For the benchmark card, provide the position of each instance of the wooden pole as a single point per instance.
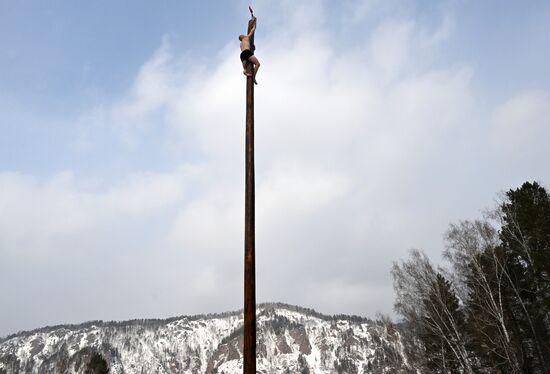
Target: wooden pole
(249, 346)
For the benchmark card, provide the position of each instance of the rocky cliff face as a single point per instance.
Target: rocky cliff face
(290, 340)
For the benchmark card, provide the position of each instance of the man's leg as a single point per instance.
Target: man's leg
(244, 68)
(254, 60)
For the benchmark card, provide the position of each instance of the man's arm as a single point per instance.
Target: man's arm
(251, 31)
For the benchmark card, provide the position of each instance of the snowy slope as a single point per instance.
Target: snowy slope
(290, 340)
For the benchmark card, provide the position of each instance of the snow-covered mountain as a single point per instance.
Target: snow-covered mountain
(290, 340)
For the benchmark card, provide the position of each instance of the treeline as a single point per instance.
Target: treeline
(156, 322)
(313, 313)
(139, 322)
(489, 311)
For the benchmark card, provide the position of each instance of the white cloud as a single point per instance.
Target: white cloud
(521, 126)
(152, 87)
(444, 30)
(389, 48)
(36, 213)
(333, 295)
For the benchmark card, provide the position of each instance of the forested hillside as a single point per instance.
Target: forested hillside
(290, 340)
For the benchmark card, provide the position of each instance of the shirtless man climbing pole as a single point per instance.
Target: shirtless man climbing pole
(247, 54)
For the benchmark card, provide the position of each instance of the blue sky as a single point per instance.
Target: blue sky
(59, 59)
(378, 124)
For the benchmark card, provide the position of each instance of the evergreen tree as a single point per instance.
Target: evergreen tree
(97, 365)
(525, 237)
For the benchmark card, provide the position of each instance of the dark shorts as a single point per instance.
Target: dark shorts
(246, 54)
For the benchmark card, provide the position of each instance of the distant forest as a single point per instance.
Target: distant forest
(489, 310)
(263, 308)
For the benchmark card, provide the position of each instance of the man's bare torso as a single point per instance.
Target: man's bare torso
(245, 43)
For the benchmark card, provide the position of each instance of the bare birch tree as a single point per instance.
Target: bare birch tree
(424, 304)
(482, 278)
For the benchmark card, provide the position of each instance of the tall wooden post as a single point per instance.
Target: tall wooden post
(249, 350)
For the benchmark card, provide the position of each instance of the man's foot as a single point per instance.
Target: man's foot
(255, 81)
